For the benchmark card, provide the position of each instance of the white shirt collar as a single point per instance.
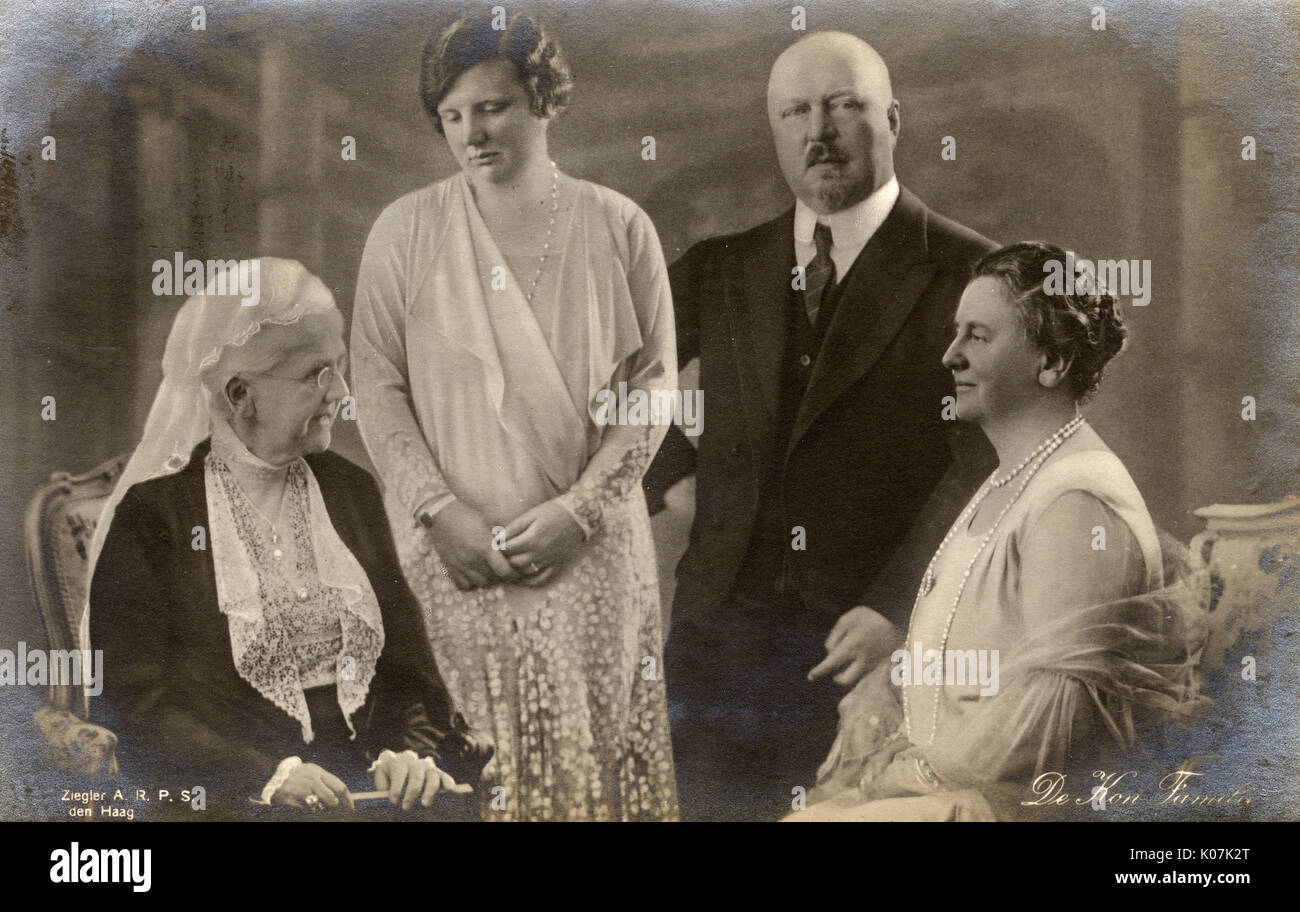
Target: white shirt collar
(851, 228)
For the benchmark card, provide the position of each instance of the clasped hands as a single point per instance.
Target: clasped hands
(537, 544)
(406, 777)
(540, 541)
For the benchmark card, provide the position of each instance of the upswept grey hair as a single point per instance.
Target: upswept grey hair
(1082, 326)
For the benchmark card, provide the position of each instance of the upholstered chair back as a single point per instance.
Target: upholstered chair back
(60, 522)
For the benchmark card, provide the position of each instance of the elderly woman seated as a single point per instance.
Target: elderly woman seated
(258, 637)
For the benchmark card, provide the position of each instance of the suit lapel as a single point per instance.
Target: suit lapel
(881, 290)
(757, 289)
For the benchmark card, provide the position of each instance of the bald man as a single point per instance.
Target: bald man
(826, 474)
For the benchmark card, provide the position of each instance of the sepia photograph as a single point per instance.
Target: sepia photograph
(651, 410)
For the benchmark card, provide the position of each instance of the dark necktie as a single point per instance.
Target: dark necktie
(820, 274)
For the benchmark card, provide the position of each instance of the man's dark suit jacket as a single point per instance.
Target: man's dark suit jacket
(171, 692)
(870, 456)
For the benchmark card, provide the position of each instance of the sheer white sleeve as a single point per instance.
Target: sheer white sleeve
(406, 463)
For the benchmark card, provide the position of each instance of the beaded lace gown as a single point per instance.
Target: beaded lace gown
(468, 388)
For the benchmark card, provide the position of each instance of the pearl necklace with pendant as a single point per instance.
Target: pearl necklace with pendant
(1039, 456)
(927, 581)
(550, 229)
(276, 551)
(239, 459)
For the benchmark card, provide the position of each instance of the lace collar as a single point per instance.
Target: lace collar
(245, 464)
(254, 593)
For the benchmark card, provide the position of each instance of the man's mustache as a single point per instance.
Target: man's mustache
(821, 154)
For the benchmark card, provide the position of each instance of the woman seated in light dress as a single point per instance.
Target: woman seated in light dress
(1053, 571)
(507, 318)
(258, 637)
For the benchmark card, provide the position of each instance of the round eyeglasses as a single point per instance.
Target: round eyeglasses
(324, 378)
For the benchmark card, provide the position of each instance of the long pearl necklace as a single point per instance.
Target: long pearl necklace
(1033, 462)
(550, 229)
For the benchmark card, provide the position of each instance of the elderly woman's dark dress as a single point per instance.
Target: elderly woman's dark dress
(184, 716)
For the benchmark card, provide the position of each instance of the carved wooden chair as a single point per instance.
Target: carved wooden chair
(60, 522)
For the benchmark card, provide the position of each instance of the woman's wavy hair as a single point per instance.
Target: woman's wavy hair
(468, 39)
(1081, 325)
